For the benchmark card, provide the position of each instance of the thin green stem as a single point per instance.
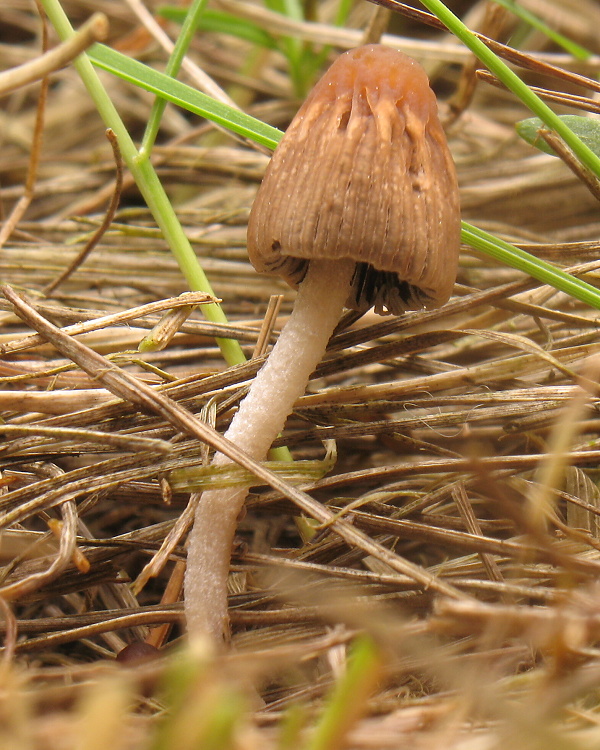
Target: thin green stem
(188, 29)
(148, 184)
(532, 20)
(348, 698)
(539, 269)
(512, 81)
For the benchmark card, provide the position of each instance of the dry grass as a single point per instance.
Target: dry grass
(467, 438)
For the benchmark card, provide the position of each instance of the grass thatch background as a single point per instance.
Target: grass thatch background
(451, 428)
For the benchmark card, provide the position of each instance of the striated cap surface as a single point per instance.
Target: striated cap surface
(364, 172)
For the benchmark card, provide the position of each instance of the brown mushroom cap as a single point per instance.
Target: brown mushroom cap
(364, 172)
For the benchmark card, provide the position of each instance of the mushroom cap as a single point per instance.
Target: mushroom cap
(364, 172)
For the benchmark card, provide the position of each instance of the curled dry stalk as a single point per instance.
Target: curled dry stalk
(106, 221)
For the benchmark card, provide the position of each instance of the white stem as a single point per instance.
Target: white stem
(260, 418)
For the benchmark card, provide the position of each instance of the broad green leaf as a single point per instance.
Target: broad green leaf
(585, 128)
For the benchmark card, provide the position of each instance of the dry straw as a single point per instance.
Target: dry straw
(442, 420)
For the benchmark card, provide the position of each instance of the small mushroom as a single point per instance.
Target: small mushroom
(358, 207)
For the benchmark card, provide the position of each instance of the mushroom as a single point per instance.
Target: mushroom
(358, 207)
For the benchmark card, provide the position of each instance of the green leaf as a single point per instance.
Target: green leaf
(348, 699)
(289, 8)
(585, 128)
(512, 81)
(562, 41)
(536, 267)
(225, 23)
(184, 96)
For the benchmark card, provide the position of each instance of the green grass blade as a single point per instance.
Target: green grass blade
(148, 183)
(184, 96)
(343, 12)
(539, 269)
(292, 47)
(188, 29)
(341, 16)
(348, 699)
(512, 81)
(288, 8)
(562, 41)
(223, 23)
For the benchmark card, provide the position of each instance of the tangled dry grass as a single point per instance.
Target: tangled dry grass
(466, 439)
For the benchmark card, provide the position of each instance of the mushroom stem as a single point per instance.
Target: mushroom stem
(260, 418)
